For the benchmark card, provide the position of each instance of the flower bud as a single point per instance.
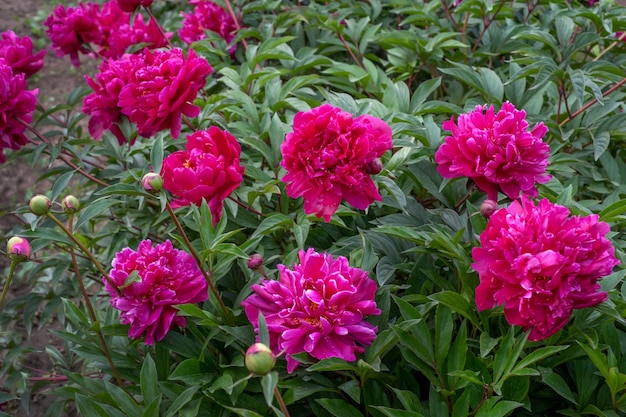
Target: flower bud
(255, 261)
(70, 204)
(152, 182)
(488, 207)
(259, 359)
(40, 205)
(374, 167)
(18, 249)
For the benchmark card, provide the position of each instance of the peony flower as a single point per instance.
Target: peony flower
(319, 307)
(496, 150)
(207, 169)
(17, 105)
(102, 104)
(69, 29)
(130, 5)
(118, 34)
(18, 249)
(207, 15)
(166, 277)
(162, 88)
(540, 263)
(327, 157)
(17, 52)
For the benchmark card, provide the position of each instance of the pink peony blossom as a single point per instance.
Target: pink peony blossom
(207, 15)
(496, 151)
(17, 52)
(162, 88)
(130, 5)
(167, 277)
(319, 307)
(70, 29)
(118, 34)
(17, 105)
(327, 158)
(541, 263)
(102, 104)
(207, 169)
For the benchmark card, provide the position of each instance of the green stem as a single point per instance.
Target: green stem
(227, 314)
(94, 318)
(86, 251)
(7, 284)
(281, 402)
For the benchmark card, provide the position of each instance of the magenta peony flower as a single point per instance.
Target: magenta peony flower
(207, 169)
(69, 29)
(327, 157)
(102, 104)
(207, 15)
(130, 5)
(17, 105)
(167, 277)
(318, 307)
(162, 88)
(118, 35)
(17, 52)
(540, 263)
(496, 151)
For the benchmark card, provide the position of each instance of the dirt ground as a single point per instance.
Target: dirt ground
(57, 79)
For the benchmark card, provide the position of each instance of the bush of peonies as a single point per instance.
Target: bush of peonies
(332, 208)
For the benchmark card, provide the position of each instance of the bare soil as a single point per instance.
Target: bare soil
(18, 179)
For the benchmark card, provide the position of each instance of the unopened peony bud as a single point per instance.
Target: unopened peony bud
(488, 207)
(255, 261)
(40, 205)
(152, 182)
(374, 167)
(259, 359)
(70, 204)
(18, 249)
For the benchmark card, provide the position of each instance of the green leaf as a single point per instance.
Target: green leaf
(392, 412)
(94, 209)
(60, 184)
(181, 401)
(272, 223)
(192, 371)
(457, 303)
(331, 364)
(156, 154)
(600, 144)
(339, 408)
(152, 409)
(494, 407)
(558, 384)
(149, 382)
(88, 407)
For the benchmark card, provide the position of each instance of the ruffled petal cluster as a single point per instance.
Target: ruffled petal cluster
(496, 150)
(207, 169)
(540, 263)
(167, 277)
(162, 88)
(102, 104)
(153, 89)
(327, 157)
(207, 15)
(17, 52)
(319, 307)
(71, 28)
(118, 34)
(17, 105)
(106, 29)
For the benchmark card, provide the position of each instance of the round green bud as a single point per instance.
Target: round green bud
(152, 182)
(40, 205)
(259, 359)
(70, 204)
